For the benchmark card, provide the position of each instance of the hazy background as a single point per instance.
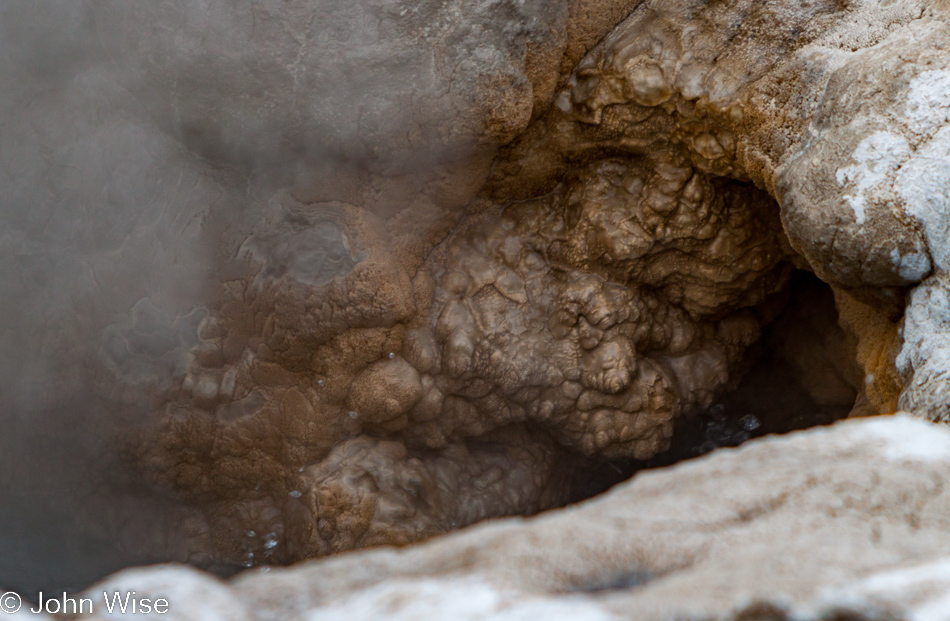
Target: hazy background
(140, 141)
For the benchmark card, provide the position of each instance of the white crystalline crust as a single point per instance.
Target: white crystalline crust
(920, 591)
(878, 156)
(462, 600)
(900, 439)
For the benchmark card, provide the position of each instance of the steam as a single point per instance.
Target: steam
(139, 143)
(143, 147)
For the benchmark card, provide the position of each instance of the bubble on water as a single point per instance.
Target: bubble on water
(251, 533)
(295, 494)
(750, 422)
(270, 542)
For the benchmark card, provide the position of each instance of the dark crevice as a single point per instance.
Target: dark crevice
(800, 374)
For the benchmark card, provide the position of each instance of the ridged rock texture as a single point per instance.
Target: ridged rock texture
(338, 275)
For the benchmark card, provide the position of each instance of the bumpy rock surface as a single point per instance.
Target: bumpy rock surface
(619, 292)
(363, 273)
(180, 273)
(847, 522)
(834, 108)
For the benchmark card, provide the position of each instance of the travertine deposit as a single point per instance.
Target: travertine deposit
(409, 266)
(629, 249)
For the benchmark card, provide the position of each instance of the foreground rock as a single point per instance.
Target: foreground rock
(848, 520)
